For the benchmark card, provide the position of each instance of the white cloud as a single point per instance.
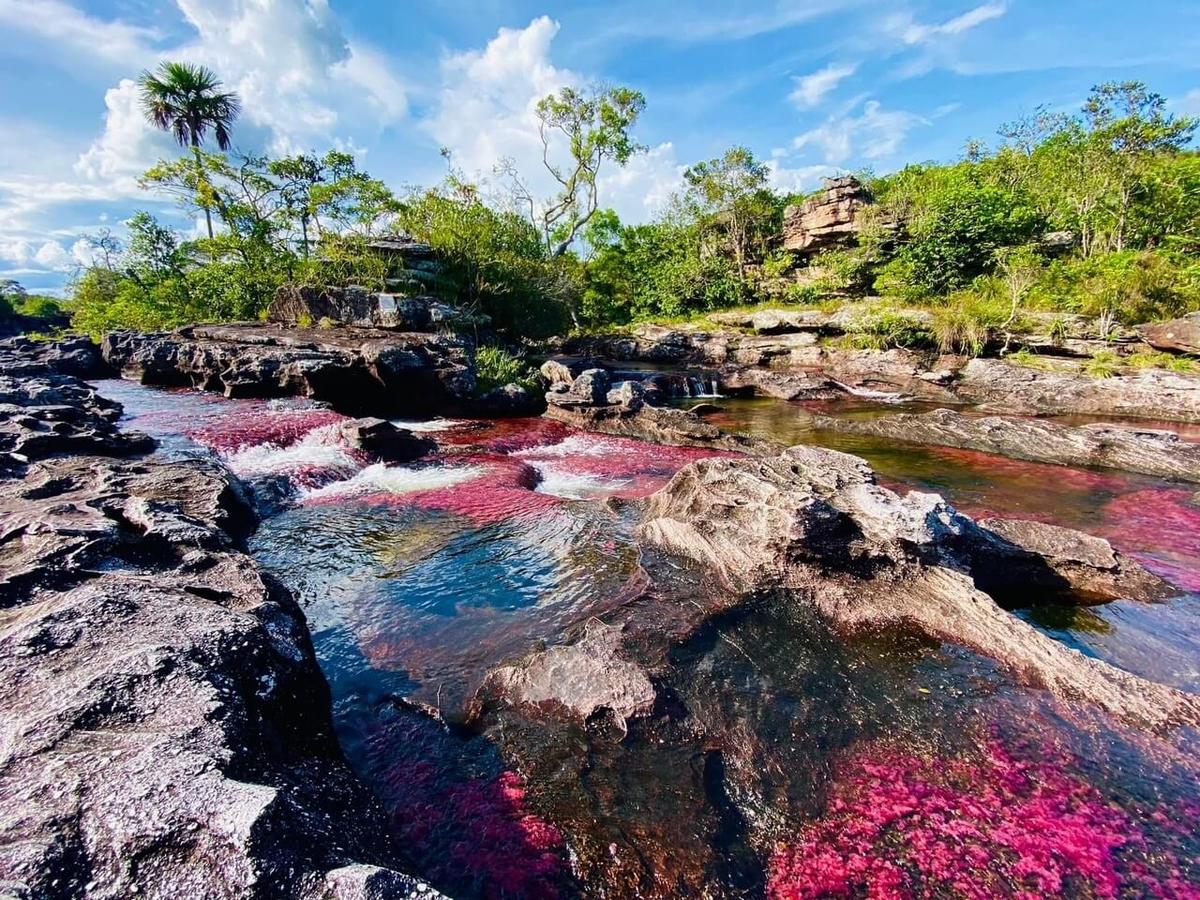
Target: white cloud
(913, 32)
(303, 85)
(875, 134)
(1188, 104)
(76, 34)
(127, 146)
(486, 112)
(812, 89)
(695, 26)
(798, 180)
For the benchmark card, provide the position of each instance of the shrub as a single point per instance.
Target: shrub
(968, 321)
(1104, 364)
(806, 294)
(1133, 286)
(884, 328)
(496, 367)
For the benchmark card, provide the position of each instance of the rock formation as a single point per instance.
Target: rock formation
(827, 219)
(814, 524)
(165, 730)
(1177, 335)
(1146, 451)
(358, 370)
(358, 307)
(1151, 394)
(590, 404)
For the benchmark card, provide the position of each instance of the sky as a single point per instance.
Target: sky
(813, 87)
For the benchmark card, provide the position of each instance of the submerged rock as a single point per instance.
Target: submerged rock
(355, 369)
(1146, 451)
(582, 678)
(815, 523)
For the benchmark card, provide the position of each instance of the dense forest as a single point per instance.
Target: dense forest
(1095, 213)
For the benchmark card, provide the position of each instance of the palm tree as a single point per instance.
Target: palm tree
(186, 100)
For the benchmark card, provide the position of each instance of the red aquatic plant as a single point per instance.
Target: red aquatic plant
(1001, 823)
(252, 424)
(463, 816)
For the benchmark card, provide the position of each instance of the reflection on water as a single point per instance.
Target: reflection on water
(782, 758)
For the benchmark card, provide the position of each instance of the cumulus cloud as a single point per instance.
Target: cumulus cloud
(812, 89)
(876, 133)
(303, 84)
(486, 113)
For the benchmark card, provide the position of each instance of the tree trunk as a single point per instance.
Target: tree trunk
(200, 175)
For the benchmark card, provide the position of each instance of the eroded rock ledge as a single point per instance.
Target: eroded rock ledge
(1145, 451)
(358, 370)
(165, 730)
(815, 524)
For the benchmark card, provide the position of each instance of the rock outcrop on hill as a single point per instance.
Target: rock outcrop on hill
(826, 219)
(815, 525)
(1145, 451)
(358, 370)
(165, 730)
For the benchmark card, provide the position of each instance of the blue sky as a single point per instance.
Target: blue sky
(814, 87)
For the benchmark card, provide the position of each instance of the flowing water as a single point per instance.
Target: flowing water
(781, 759)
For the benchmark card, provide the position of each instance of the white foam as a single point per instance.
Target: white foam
(428, 424)
(382, 479)
(575, 445)
(317, 450)
(577, 486)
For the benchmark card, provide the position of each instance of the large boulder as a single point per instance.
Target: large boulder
(1177, 335)
(1146, 451)
(305, 304)
(815, 525)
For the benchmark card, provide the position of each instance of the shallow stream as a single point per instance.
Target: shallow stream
(782, 759)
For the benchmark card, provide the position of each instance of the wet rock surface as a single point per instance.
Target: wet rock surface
(356, 369)
(815, 523)
(166, 730)
(1145, 451)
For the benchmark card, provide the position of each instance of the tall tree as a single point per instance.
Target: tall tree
(187, 101)
(730, 192)
(594, 124)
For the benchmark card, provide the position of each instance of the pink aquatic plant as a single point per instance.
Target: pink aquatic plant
(998, 824)
(465, 818)
(253, 425)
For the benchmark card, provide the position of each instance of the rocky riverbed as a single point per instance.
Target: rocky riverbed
(617, 650)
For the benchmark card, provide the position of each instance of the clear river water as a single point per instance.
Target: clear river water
(782, 760)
